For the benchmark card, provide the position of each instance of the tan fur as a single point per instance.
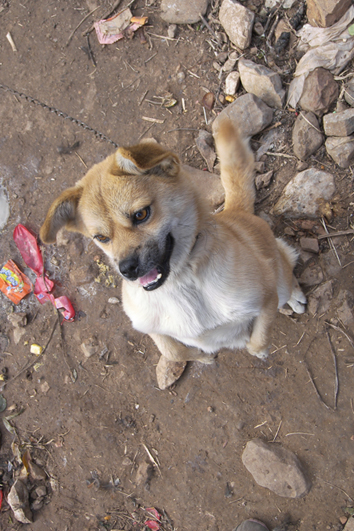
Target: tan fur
(222, 276)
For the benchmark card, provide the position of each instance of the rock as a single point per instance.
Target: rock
(205, 145)
(18, 499)
(237, 22)
(341, 149)
(320, 299)
(301, 166)
(41, 491)
(168, 372)
(345, 310)
(249, 113)
(90, 346)
(81, 275)
(259, 167)
(18, 320)
(37, 504)
(339, 124)
(349, 526)
(312, 276)
(349, 92)
(262, 82)
(258, 29)
(183, 11)
(171, 31)
(275, 468)
(113, 300)
(303, 194)
(230, 63)
(144, 473)
(310, 245)
(4, 342)
(271, 140)
(263, 180)
(319, 92)
(17, 334)
(307, 137)
(232, 82)
(323, 14)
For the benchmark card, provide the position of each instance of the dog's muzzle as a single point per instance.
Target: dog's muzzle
(153, 274)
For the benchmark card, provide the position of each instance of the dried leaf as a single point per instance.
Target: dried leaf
(208, 101)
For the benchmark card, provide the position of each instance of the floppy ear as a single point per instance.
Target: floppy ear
(146, 158)
(62, 213)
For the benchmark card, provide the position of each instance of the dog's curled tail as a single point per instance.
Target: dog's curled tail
(237, 166)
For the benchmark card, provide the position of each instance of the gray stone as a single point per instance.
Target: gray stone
(307, 137)
(310, 245)
(17, 334)
(171, 31)
(312, 276)
(349, 526)
(232, 82)
(205, 145)
(341, 149)
(249, 113)
(339, 124)
(263, 180)
(304, 193)
(90, 347)
(263, 82)
(319, 92)
(275, 468)
(320, 299)
(349, 92)
(325, 13)
(237, 22)
(4, 209)
(18, 320)
(230, 62)
(183, 11)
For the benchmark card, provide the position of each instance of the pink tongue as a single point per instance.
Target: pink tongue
(149, 277)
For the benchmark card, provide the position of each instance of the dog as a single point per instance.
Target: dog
(195, 281)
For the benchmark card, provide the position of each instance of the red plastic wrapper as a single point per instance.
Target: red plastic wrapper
(27, 244)
(13, 283)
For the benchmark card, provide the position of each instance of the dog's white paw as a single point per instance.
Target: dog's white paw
(261, 354)
(207, 359)
(297, 301)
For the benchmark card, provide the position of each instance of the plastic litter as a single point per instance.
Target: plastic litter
(27, 244)
(115, 28)
(13, 283)
(331, 48)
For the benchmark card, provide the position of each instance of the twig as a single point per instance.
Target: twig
(308, 121)
(37, 357)
(278, 430)
(332, 485)
(80, 23)
(206, 24)
(274, 154)
(336, 381)
(154, 120)
(334, 234)
(315, 388)
(152, 459)
(143, 97)
(299, 433)
(160, 36)
(339, 329)
(144, 132)
(331, 244)
(182, 129)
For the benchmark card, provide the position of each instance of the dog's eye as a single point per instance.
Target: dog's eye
(101, 238)
(141, 215)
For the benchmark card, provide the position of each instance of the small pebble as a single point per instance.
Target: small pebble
(172, 30)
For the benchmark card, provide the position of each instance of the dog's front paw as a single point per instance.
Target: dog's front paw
(262, 353)
(208, 359)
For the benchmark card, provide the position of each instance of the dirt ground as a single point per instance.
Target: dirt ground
(91, 424)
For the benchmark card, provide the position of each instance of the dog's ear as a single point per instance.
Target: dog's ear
(62, 213)
(146, 158)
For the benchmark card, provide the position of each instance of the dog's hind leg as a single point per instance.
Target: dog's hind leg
(237, 167)
(260, 337)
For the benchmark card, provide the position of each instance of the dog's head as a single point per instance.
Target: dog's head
(138, 208)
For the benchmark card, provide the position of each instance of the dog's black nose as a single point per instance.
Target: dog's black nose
(129, 267)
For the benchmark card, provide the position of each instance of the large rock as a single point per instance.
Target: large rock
(307, 137)
(339, 123)
(276, 469)
(319, 92)
(303, 195)
(349, 92)
(237, 21)
(341, 149)
(325, 13)
(249, 113)
(263, 82)
(183, 11)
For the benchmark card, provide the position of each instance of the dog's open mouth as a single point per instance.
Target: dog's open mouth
(157, 276)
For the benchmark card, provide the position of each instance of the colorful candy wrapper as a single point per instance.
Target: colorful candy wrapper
(27, 244)
(13, 283)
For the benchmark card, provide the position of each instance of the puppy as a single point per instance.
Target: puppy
(194, 281)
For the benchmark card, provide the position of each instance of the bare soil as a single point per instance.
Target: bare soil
(91, 424)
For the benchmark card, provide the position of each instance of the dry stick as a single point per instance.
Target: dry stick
(206, 24)
(37, 357)
(311, 379)
(333, 485)
(334, 234)
(336, 381)
(331, 244)
(77, 27)
(339, 329)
